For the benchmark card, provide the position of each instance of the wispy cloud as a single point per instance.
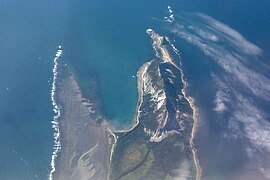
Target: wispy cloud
(229, 34)
(227, 48)
(255, 125)
(222, 97)
(239, 85)
(246, 122)
(244, 113)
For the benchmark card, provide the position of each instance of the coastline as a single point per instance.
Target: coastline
(84, 151)
(191, 102)
(136, 120)
(155, 121)
(164, 55)
(140, 79)
(56, 109)
(104, 127)
(157, 44)
(194, 128)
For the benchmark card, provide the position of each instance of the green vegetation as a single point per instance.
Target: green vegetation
(135, 156)
(142, 170)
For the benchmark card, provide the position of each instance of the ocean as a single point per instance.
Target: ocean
(107, 41)
(28, 44)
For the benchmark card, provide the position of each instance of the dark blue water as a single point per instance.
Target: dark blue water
(29, 37)
(103, 38)
(107, 40)
(227, 140)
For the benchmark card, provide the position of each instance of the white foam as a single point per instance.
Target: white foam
(56, 109)
(170, 10)
(58, 53)
(149, 31)
(170, 18)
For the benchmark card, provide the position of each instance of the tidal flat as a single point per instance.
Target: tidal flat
(158, 146)
(83, 137)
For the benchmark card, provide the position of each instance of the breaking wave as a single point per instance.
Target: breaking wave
(56, 109)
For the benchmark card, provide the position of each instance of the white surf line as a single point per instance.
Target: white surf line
(194, 116)
(152, 34)
(157, 44)
(194, 113)
(194, 129)
(56, 109)
(170, 18)
(190, 100)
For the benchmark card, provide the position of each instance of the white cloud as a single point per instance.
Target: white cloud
(255, 125)
(239, 85)
(220, 106)
(183, 173)
(231, 35)
(244, 113)
(221, 99)
(228, 48)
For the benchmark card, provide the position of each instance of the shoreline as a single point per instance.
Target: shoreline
(162, 52)
(157, 44)
(140, 79)
(194, 128)
(56, 109)
(163, 55)
(191, 102)
(77, 157)
(140, 74)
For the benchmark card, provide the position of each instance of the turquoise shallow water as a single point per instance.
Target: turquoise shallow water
(108, 40)
(113, 45)
(96, 38)
(28, 43)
